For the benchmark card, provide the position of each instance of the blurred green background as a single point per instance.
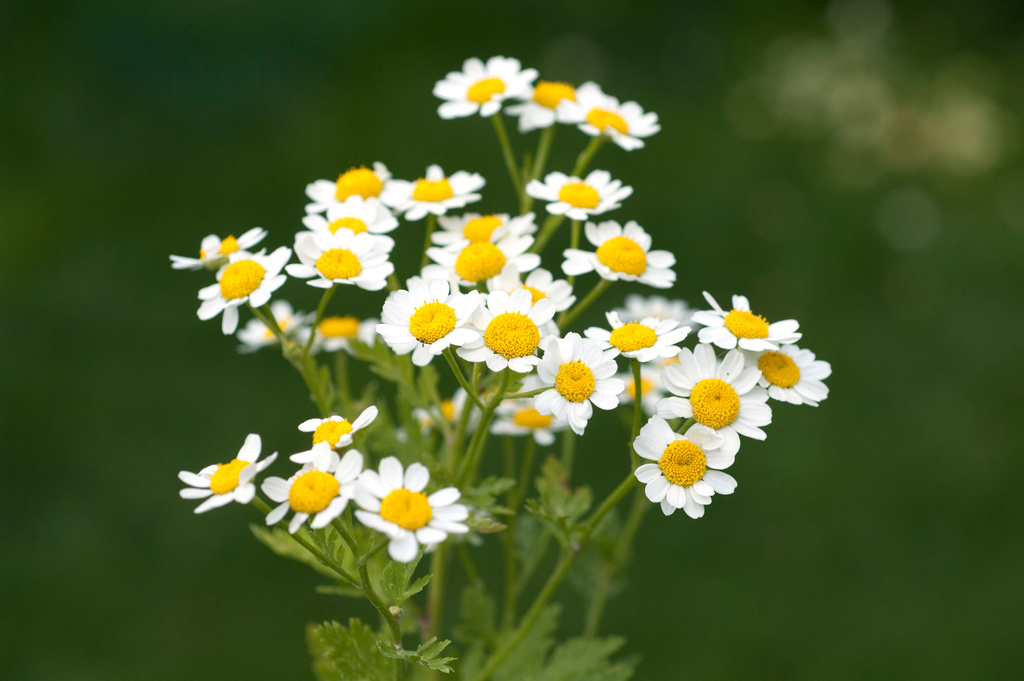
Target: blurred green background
(856, 166)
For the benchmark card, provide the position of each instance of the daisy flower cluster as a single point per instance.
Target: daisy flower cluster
(470, 361)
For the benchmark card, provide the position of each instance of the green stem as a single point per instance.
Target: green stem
(447, 352)
(467, 563)
(568, 451)
(341, 379)
(304, 363)
(587, 155)
(324, 299)
(574, 243)
(476, 445)
(515, 501)
(366, 586)
(431, 224)
(435, 591)
(547, 230)
(510, 158)
(568, 316)
(638, 411)
(528, 393)
(539, 161)
(686, 425)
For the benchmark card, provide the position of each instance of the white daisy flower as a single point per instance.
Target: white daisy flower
(601, 114)
(221, 484)
(481, 87)
(321, 488)
(720, 395)
(427, 318)
(622, 253)
(659, 307)
(255, 334)
(343, 258)
(392, 502)
(520, 417)
(451, 410)
(355, 213)
(540, 283)
(510, 326)
(246, 278)
(683, 476)
(740, 326)
(360, 181)
(436, 193)
(214, 251)
(479, 261)
(478, 228)
(335, 430)
(579, 199)
(792, 375)
(651, 389)
(539, 104)
(583, 377)
(645, 340)
(336, 333)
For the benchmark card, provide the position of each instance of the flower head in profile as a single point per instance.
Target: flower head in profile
(354, 213)
(427, 318)
(473, 262)
(791, 374)
(321, 489)
(478, 229)
(435, 193)
(337, 333)
(520, 418)
(450, 411)
(220, 484)
(579, 199)
(599, 114)
(638, 306)
(335, 430)
(687, 469)
(740, 326)
(582, 376)
(511, 326)
(651, 389)
(255, 334)
(343, 257)
(540, 283)
(364, 182)
(645, 340)
(392, 501)
(246, 278)
(482, 87)
(540, 104)
(214, 251)
(621, 253)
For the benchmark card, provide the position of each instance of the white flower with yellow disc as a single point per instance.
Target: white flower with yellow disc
(481, 87)
(338, 332)
(645, 340)
(362, 181)
(223, 483)
(599, 114)
(520, 417)
(392, 501)
(687, 472)
(213, 251)
(582, 376)
(434, 193)
(791, 374)
(621, 253)
(246, 278)
(343, 258)
(740, 326)
(540, 283)
(255, 334)
(477, 228)
(355, 213)
(427, 318)
(322, 488)
(539, 105)
(651, 390)
(475, 262)
(511, 327)
(723, 396)
(450, 411)
(579, 199)
(659, 307)
(335, 430)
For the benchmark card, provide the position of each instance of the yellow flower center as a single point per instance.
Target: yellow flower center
(549, 94)
(355, 224)
(483, 90)
(511, 334)
(361, 181)
(531, 418)
(579, 195)
(240, 279)
(431, 322)
(313, 491)
(715, 403)
(339, 263)
(480, 229)
(479, 261)
(431, 190)
(645, 387)
(339, 327)
(537, 294)
(632, 337)
(602, 120)
(410, 510)
(683, 463)
(779, 369)
(575, 381)
(744, 324)
(225, 478)
(448, 410)
(228, 246)
(331, 432)
(620, 254)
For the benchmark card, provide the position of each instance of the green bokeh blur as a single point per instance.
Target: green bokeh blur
(879, 535)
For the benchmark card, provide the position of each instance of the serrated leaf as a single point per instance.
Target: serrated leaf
(484, 494)
(527, 658)
(425, 656)
(558, 506)
(346, 654)
(281, 543)
(394, 581)
(478, 613)
(584, 659)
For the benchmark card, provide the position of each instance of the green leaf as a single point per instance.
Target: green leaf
(394, 581)
(425, 656)
(558, 506)
(586, 659)
(346, 654)
(484, 494)
(478, 612)
(527, 658)
(281, 543)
